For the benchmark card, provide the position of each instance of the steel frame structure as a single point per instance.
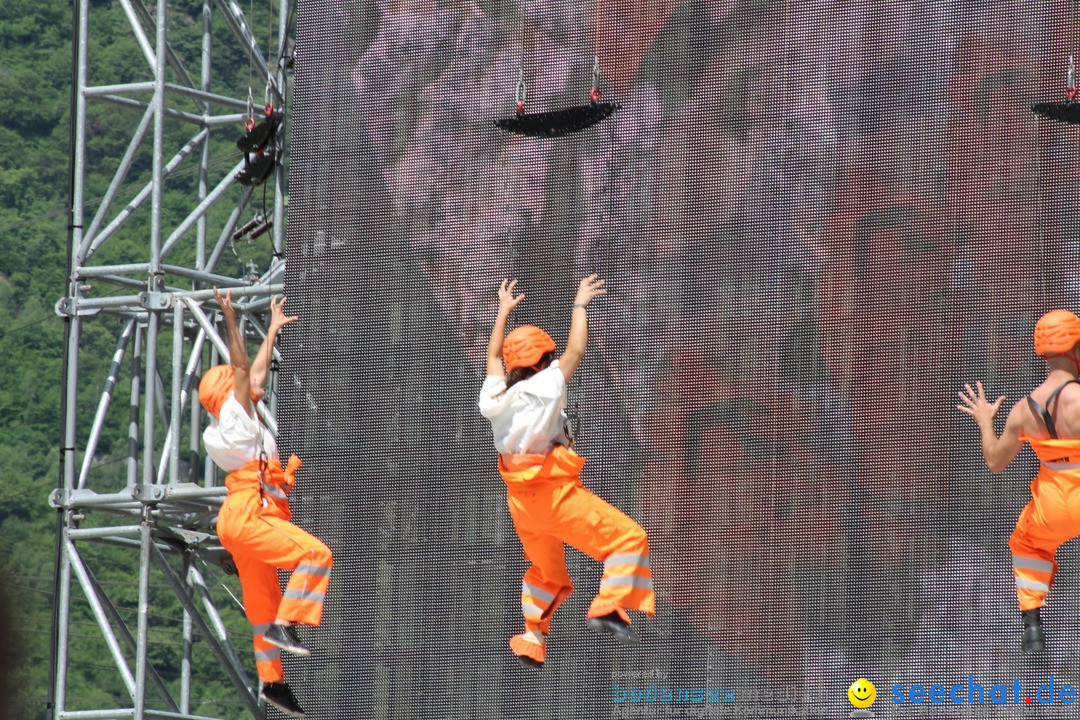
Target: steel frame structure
(160, 514)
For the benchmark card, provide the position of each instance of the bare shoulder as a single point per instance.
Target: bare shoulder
(1022, 419)
(1065, 409)
(1069, 396)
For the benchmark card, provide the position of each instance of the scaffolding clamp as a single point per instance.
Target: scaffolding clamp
(149, 494)
(66, 307)
(155, 300)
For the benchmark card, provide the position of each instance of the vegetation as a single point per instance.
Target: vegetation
(35, 97)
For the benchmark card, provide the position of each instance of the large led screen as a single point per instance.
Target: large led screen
(816, 220)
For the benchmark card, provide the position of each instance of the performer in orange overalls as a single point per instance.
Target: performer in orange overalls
(1048, 419)
(253, 523)
(548, 503)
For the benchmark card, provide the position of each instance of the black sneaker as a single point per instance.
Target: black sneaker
(284, 637)
(280, 696)
(529, 662)
(613, 625)
(1032, 640)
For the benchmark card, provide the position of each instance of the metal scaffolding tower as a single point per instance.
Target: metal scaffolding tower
(164, 512)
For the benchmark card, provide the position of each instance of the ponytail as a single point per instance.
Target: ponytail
(524, 373)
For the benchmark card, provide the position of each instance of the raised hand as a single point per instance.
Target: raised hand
(589, 288)
(225, 302)
(976, 405)
(278, 319)
(507, 300)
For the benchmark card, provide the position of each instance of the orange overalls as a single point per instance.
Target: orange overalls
(1051, 518)
(550, 506)
(253, 525)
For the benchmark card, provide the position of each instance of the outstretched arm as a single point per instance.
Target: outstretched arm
(997, 451)
(261, 364)
(578, 339)
(238, 357)
(507, 302)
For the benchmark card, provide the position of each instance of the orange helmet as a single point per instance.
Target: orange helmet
(1057, 331)
(214, 388)
(525, 346)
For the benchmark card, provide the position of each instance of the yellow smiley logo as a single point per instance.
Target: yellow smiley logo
(862, 693)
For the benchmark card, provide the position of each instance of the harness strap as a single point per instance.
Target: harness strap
(1042, 412)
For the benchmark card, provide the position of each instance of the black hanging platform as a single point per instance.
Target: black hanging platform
(1066, 112)
(557, 122)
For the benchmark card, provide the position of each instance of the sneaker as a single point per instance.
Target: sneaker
(1032, 640)
(613, 625)
(280, 696)
(528, 653)
(284, 637)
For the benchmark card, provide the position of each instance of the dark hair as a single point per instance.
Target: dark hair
(523, 373)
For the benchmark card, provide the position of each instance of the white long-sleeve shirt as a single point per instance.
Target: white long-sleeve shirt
(528, 417)
(235, 438)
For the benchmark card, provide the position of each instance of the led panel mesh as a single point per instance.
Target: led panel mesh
(816, 219)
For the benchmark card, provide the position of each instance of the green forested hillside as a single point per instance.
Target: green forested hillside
(35, 89)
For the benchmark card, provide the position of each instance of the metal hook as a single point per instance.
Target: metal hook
(519, 92)
(595, 93)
